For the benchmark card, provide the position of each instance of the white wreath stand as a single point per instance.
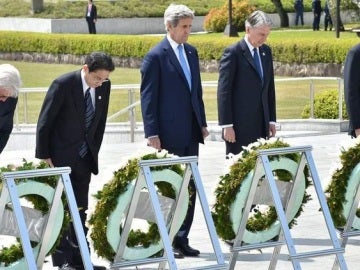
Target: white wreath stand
(263, 167)
(145, 178)
(9, 194)
(348, 231)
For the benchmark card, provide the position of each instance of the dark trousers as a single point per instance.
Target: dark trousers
(91, 25)
(299, 15)
(68, 250)
(191, 150)
(316, 22)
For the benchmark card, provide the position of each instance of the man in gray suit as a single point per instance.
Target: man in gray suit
(246, 88)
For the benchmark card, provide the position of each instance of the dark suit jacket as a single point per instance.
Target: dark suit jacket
(243, 100)
(352, 88)
(61, 124)
(93, 12)
(7, 109)
(168, 106)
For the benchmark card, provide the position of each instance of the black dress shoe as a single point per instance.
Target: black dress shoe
(187, 250)
(95, 267)
(178, 254)
(67, 266)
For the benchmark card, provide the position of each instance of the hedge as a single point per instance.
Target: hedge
(287, 47)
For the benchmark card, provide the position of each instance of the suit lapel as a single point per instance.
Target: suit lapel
(174, 60)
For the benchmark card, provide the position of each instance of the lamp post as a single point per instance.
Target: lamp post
(230, 29)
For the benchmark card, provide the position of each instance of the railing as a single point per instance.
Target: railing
(133, 88)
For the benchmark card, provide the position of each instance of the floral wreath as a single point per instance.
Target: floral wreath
(344, 180)
(14, 253)
(230, 185)
(108, 199)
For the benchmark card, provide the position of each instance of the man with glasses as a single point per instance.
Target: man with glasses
(10, 83)
(69, 132)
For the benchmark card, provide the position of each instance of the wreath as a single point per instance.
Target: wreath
(113, 201)
(233, 182)
(39, 192)
(345, 179)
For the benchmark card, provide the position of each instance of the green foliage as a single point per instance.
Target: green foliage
(13, 253)
(217, 18)
(107, 201)
(326, 106)
(337, 187)
(230, 184)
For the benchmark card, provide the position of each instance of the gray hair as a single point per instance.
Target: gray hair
(258, 18)
(174, 13)
(10, 79)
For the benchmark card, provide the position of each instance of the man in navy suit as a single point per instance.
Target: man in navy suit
(246, 91)
(10, 83)
(352, 89)
(171, 102)
(63, 137)
(91, 16)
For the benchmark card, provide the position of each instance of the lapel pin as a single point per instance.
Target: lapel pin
(263, 54)
(99, 97)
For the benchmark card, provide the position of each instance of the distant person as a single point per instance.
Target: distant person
(69, 132)
(10, 83)
(327, 18)
(352, 89)
(316, 9)
(172, 105)
(299, 12)
(246, 87)
(91, 16)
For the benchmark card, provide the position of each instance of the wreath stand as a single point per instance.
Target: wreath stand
(10, 194)
(145, 178)
(263, 167)
(348, 230)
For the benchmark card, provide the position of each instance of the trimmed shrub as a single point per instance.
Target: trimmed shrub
(217, 18)
(326, 106)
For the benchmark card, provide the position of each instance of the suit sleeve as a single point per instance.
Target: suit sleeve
(149, 90)
(227, 70)
(352, 87)
(272, 100)
(49, 111)
(7, 120)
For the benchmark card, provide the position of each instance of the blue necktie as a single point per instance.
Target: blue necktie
(89, 115)
(257, 63)
(184, 65)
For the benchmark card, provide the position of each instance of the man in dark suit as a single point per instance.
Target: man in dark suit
(171, 102)
(10, 83)
(69, 132)
(246, 88)
(352, 89)
(91, 16)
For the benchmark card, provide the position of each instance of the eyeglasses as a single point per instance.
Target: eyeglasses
(97, 79)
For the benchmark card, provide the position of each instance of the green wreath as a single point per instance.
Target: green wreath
(108, 199)
(341, 190)
(230, 185)
(14, 253)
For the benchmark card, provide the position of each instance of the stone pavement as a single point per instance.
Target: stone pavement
(310, 234)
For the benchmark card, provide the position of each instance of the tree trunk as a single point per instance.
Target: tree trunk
(333, 12)
(284, 18)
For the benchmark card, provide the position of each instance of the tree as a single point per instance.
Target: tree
(284, 18)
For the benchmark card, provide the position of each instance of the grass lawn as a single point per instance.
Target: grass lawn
(291, 96)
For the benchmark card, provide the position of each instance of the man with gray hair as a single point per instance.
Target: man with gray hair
(10, 82)
(172, 105)
(246, 88)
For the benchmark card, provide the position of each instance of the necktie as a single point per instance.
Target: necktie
(184, 65)
(257, 63)
(89, 115)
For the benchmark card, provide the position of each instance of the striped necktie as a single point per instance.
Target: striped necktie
(184, 65)
(89, 116)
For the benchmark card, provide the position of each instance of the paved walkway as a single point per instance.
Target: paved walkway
(310, 234)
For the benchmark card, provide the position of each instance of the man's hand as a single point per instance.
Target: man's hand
(229, 134)
(205, 132)
(154, 142)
